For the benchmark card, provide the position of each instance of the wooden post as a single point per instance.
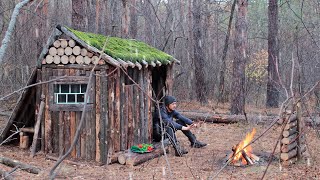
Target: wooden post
(299, 127)
(37, 127)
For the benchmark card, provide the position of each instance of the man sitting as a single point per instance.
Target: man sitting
(167, 113)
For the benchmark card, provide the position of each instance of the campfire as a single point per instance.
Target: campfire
(243, 156)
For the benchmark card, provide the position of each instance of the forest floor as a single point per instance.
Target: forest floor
(197, 164)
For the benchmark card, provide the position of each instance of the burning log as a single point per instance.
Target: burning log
(246, 157)
(289, 155)
(242, 152)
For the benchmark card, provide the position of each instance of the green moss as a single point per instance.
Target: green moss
(125, 49)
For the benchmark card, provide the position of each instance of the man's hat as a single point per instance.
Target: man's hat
(169, 99)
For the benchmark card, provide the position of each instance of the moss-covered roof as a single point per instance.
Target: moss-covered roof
(125, 49)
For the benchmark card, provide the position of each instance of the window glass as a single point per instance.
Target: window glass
(69, 93)
(80, 98)
(64, 88)
(62, 98)
(83, 88)
(75, 88)
(71, 98)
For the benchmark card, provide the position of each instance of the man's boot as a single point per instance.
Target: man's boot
(193, 140)
(179, 150)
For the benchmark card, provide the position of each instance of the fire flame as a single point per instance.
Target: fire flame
(241, 145)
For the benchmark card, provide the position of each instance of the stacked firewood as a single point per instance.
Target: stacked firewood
(65, 51)
(293, 140)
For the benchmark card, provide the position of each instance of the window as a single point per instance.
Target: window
(69, 93)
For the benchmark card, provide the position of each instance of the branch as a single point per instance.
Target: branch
(7, 37)
(29, 86)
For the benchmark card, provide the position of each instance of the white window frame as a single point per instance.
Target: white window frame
(56, 94)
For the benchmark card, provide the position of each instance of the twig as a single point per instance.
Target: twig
(9, 138)
(29, 86)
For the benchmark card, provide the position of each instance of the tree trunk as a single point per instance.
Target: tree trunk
(239, 63)
(79, 15)
(273, 56)
(133, 30)
(224, 55)
(125, 19)
(200, 77)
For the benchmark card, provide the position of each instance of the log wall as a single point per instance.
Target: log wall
(118, 113)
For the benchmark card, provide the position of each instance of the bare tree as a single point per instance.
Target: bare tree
(224, 55)
(200, 78)
(273, 56)
(240, 59)
(79, 15)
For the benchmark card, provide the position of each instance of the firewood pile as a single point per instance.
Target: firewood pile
(65, 51)
(293, 140)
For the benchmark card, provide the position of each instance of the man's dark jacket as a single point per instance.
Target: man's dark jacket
(167, 118)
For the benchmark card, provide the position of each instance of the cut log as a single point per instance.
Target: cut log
(290, 139)
(152, 64)
(215, 118)
(24, 141)
(66, 160)
(288, 155)
(289, 132)
(138, 65)
(131, 64)
(64, 59)
(76, 50)
(72, 59)
(23, 166)
(71, 43)
(123, 63)
(64, 43)
(56, 59)
(101, 62)
(289, 162)
(144, 63)
(95, 59)
(83, 52)
(79, 59)
(288, 147)
(60, 51)
(133, 159)
(90, 54)
(68, 51)
(158, 63)
(56, 43)
(53, 51)
(49, 59)
(293, 117)
(87, 60)
(290, 125)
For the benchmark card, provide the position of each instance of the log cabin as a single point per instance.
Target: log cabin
(119, 109)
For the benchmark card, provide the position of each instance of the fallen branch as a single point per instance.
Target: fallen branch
(23, 166)
(66, 161)
(5, 175)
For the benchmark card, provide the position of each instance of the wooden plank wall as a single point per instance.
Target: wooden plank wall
(60, 125)
(136, 120)
(119, 118)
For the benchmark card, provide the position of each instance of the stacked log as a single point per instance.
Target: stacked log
(65, 51)
(292, 143)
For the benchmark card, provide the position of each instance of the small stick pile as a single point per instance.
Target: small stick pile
(65, 51)
(293, 141)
